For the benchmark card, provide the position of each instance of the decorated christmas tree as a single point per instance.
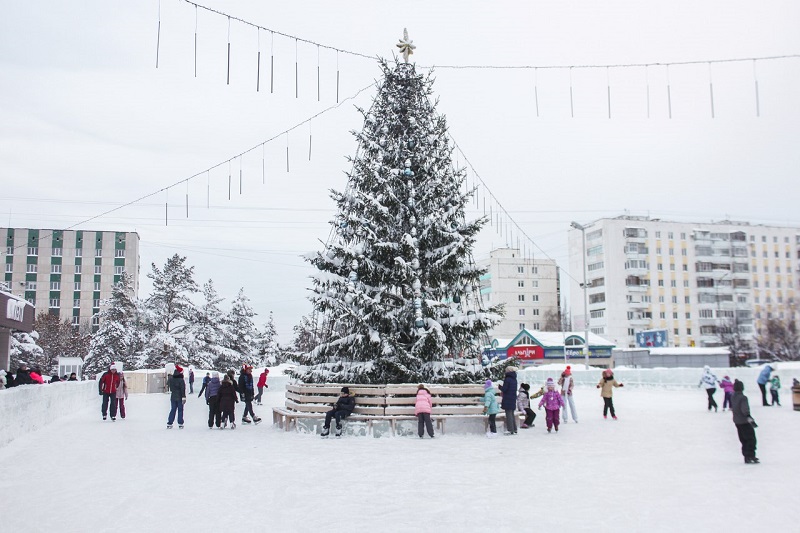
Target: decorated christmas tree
(397, 294)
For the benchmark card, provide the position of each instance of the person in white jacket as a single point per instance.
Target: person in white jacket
(709, 382)
(566, 391)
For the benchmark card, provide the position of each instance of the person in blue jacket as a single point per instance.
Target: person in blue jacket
(509, 402)
(490, 407)
(763, 379)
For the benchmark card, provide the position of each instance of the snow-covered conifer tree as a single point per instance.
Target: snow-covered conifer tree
(204, 337)
(117, 338)
(24, 348)
(240, 334)
(397, 292)
(268, 352)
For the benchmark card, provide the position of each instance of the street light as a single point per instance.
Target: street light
(585, 295)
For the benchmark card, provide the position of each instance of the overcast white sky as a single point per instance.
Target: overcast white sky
(87, 122)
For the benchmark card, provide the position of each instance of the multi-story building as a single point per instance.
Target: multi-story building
(69, 273)
(529, 289)
(695, 280)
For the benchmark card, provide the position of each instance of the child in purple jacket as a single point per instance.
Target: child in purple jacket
(727, 386)
(553, 402)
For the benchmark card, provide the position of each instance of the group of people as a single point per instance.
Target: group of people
(709, 382)
(552, 400)
(28, 376)
(114, 390)
(222, 395)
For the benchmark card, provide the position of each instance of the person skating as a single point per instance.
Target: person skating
(206, 380)
(606, 386)
(745, 425)
(524, 405)
(423, 406)
(341, 410)
(709, 382)
(262, 384)
(490, 407)
(177, 388)
(107, 387)
(774, 387)
(552, 402)
(508, 391)
(191, 381)
(247, 393)
(228, 398)
(567, 384)
(120, 396)
(212, 400)
(727, 388)
(763, 379)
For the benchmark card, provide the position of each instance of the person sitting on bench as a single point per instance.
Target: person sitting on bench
(341, 409)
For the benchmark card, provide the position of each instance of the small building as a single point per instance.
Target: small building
(68, 365)
(680, 357)
(545, 347)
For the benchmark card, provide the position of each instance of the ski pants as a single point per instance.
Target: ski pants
(176, 405)
(747, 436)
(493, 423)
(711, 403)
(568, 401)
(260, 394)
(529, 416)
(121, 407)
(109, 399)
(775, 399)
(726, 402)
(608, 403)
(763, 393)
(511, 420)
(339, 414)
(214, 415)
(229, 414)
(552, 418)
(424, 422)
(248, 408)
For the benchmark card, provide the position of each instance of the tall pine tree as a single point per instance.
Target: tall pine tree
(397, 292)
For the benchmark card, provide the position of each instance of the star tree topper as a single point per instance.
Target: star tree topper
(406, 45)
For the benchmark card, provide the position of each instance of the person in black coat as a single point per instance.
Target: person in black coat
(745, 425)
(509, 403)
(247, 393)
(177, 387)
(227, 401)
(23, 376)
(341, 409)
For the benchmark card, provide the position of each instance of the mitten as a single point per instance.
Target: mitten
(621, 384)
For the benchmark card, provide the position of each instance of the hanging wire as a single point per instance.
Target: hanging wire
(536, 89)
(571, 107)
(309, 140)
(272, 63)
(755, 81)
(166, 206)
(263, 164)
(337, 76)
(187, 198)
(195, 41)
(647, 82)
(669, 95)
(296, 74)
(258, 61)
(711, 89)
(317, 73)
(229, 179)
(608, 86)
(240, 174)
(229, 51)
(158, 34)
(287, 151)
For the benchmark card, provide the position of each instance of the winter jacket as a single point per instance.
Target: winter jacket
(775, 383)
(740, 407)
(109, 382)
(607, 386)
(509, 391)
(122, 387)
(552, 400)
(177, 387)
(191, 376)
(345, 403)
(727, 385)
(9, 380)
(709, 380)
(23, 378)
(37, 377)
(424, 404)
(490, 402)
(262, 379)
(523, 400)
(213, 388)
(246, 386)
(227, 396)
(763, 377)
(232, 375)
(566, 384)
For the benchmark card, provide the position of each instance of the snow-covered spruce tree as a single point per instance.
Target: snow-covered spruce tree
(24, 348)
(240, 334)
(170, 311)
(397, 291)
(267, 351)
(117, 338)
(204, 337)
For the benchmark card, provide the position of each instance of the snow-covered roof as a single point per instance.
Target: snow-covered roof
(681, 351)
(555, 338)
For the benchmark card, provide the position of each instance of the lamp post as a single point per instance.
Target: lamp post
(585, 295)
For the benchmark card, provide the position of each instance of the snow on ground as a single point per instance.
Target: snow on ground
(666, 465)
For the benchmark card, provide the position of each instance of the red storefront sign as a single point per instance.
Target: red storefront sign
(526, 352)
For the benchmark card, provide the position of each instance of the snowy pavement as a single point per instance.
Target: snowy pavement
(665, 465)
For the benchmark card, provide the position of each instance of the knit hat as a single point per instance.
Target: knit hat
(487, 384)
(112, 367)
(608, 373)
(726, 377)
(568, 370)
(178, 368)
(738, 386)
(550, 382)
(525, 386)
(346, 390)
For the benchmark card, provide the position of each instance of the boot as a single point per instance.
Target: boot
(256, 420)
(325, 431)
(338, 431)
(245, 420)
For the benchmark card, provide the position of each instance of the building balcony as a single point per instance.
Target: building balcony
(638, 288)
(638, 305)
(640, 321)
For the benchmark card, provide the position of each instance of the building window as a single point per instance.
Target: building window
(534, 297)
(520, 270)
(662, 315)
(520, 297)
(535, 312)
(631, 332)
(30, 285)
(77, 269)
(673, 283)
(78, 252)
(688, 331)
(661, 299)
(660, 266)
(595, 250)
(98, 269)
(56, 252)
(661, 283)
(95, 320)
(534, 270)
(32, 268)
(658, 235)
(658, 250)
(119, 270)
(55, 269)
(98, 252)
(55, 285)
(522, 312)
(522, 325)
(33, 250)
(55, 303)
(600, 313)
(536, 325)
(97, 285)
(675, 331)
(687, 299)
(520, 283)
(686, 283)
(76, 321)
(535, 283)
(688, 316)
(684, 252)
(77, 285)
(9, 250)
(9, 268)
(76, 302)
(96, 303)
(675, 300)
(595, 266)
(706, 313)
(119, 252)
(683, 236)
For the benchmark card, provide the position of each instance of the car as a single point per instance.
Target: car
(757, 362)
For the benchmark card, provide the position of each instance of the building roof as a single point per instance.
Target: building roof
(552, 339)
(681, 351)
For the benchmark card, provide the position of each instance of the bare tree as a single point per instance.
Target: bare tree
(779, 340)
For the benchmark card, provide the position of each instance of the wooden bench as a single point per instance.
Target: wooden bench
(392, 403)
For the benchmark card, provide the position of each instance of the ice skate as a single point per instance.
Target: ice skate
(256, 420)
(180, 426)
(113, 418)
(549, 430)
(169, 426)
(224, 425)
(245, 420)
(338, 431)
(104, 417)
(233, 425)
(614, 417)
(325, 431)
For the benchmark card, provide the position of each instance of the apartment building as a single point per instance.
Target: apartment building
(529, 289)
(69, 272)
(691, 279)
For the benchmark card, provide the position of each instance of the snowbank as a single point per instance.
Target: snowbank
(28, 408)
